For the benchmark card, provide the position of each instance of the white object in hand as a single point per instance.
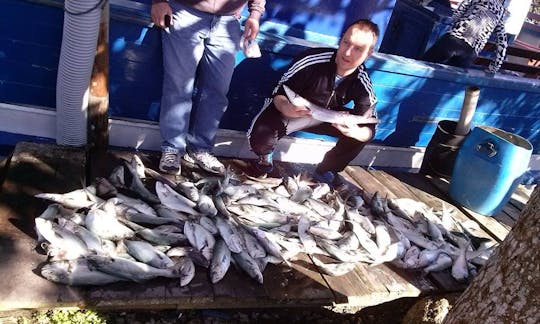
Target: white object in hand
(250, 48)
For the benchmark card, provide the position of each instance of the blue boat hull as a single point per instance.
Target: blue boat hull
(413, 96)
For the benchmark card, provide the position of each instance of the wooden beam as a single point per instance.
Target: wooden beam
(98, 119)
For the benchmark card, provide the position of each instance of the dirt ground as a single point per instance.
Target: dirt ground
(388, 313)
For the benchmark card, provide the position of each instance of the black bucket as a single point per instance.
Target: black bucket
(442, 150)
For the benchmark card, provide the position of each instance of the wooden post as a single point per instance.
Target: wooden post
(98, 119)
(467, 110)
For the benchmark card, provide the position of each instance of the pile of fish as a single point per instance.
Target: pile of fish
(119, 230)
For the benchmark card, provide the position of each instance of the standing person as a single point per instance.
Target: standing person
(517, 14)
(473, 23)
(329, 78)
(199, 49)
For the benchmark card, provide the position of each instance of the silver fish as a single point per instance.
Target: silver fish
(334, 269)
(140, 218)
(305, 237)
(378, 205)
(221, 260)
(320, 190)
(104, 188)
(117, 177)
(91, 240)
(460, 270)
(137, 186)
(76, 199)
(420, 240)
(186, 269)
(76, 273)
(249, 265)
(160, 237)
(348, 242)
(107, 226)
(205, 205)
(131, 270)
(443, 262)
(184, 251)
(146, 253)
(327, 115)
(353, 216)
(208, 224)
(188, 189)
(267, 240)
(137, 164)
(344, 256)
(167, 213)
(174, 200)
(200, 239)
(382, 236)
(136, 204)
(320, 207)
(325, 232)
(230, 234)
(253, 247)
(67, 246)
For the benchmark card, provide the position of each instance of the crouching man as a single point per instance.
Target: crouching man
(331, 79)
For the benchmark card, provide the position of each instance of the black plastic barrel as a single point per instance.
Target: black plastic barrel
(442, 149)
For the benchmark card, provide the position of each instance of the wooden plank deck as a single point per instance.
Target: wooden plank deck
(37, 168)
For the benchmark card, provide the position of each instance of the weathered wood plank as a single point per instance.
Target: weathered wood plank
(367, 182)
(33, 168)
(300, 284)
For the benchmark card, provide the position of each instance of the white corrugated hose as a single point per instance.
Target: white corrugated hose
(79, 41)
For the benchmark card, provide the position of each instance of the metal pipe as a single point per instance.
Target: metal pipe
(472, 93)
(79, 41)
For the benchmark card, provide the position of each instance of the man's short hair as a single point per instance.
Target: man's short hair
(366, 25)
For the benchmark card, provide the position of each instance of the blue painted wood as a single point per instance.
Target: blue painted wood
(30, 40)
(413, 96)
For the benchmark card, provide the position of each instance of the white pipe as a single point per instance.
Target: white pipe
(79, 41)
(467, 110)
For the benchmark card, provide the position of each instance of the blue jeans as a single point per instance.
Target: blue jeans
(198, 63)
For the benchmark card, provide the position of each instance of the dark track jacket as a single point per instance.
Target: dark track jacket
(312, 76)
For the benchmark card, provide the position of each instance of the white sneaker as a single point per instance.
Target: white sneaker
(205, 161)
(170, 161)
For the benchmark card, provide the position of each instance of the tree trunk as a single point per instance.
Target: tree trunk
(507, 289)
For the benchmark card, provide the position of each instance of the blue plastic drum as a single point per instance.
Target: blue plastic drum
(488, 168)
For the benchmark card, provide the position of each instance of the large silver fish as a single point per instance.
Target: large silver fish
(138, 186)
(107, 226)
(230, 234)
(174, 200)
(327, 115)
(249, 265)
(131, 270)
(64, 244)
(147, 253)
(74, 199)
(91, 240)
(334, 269)
(77, 273)
(221, 260)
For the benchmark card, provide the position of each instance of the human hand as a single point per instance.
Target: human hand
(292, 111)
(158, 12)
(360, 133)
(251, 28)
